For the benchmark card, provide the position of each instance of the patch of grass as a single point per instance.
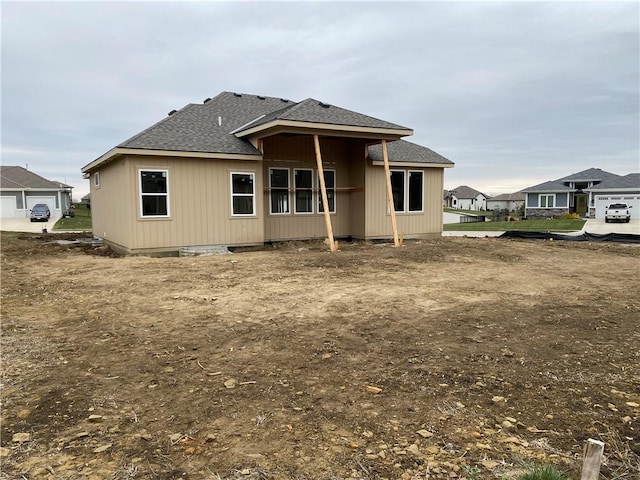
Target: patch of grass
(543, 472)
(81, 221)
(551, 225)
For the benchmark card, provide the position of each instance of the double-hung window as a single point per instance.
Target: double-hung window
(546, 201)
(96, 179)
(416, 190)
(303, 181)
(330, 186)
(407, 188)
(279, 188)
(154, 193)
(243, 194)
(397, 189)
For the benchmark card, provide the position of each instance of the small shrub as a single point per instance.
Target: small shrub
(571, 216)
(544, 472)
(471, 472)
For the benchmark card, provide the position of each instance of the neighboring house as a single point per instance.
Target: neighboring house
(21, 189)
(624, 189)
(585, 193)
(466, 198)
(244, 170)
(86, 199)
(506, 201)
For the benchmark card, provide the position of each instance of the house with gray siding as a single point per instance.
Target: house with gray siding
(585, 193)
(21, 189)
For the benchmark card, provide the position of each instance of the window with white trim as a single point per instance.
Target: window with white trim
(397, 189)
(330, 186)
(96, 179)
(279, 190)
(407, 187)
(154, 193)
(416, 190)
(303, 182)
(243, 193)
(546, 200)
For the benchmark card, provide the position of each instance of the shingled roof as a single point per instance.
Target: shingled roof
(465, 192)
(509, 197)
(211, 127)
(627, 182)
(403, 151)
(19, 178)
(560, 185)
(314, 111)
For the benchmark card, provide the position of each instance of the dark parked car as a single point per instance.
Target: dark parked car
(40, 212)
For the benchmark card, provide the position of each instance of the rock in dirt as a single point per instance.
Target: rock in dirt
(425, 433)
(507, 426)
(498, 399)
(4, 452)
(21, 437)
(374, 390)
(174, 437)
(413, 450)
(231, 383)
(102, 448)
(95, 418)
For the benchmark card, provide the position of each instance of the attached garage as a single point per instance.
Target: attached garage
(49, 201)
(601, 202)
(8, 207)
(21, 189)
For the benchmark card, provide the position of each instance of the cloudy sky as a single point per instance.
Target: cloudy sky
(515, 93)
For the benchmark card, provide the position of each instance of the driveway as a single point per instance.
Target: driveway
(25, 225)
(598, 225)
(592, 225)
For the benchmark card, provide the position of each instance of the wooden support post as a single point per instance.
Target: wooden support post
(325, 199)
(392, 208)
(593, 450)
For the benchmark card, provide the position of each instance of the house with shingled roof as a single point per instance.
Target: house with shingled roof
(586, 193)
(466, 198)
(243, 169)
(506, 201)
(21, 189)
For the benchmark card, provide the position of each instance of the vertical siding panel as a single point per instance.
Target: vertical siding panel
(410, 225)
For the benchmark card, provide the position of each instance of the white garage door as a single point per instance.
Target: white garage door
(7, 207)
(51, 201)
(602, 201)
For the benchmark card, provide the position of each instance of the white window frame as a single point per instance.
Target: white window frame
(334, 188)
(295, 191)
(546, 196)
(96, 179)
(252, 195)
(408, 184)
(271, 188)
(155, 194)
(404, 190)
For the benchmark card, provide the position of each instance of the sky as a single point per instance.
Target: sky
(515, 93)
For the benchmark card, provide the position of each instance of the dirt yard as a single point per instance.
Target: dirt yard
(447, 359)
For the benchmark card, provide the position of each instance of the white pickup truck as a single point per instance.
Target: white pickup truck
(617, 211)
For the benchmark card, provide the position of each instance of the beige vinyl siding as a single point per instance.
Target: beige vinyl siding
(111, 215)
(297, 152)
(199, 205)
(410, 224)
